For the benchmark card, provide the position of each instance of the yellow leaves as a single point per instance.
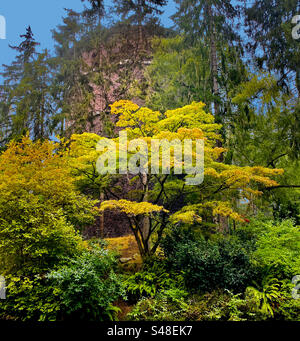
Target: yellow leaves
(188, 217)
(190, 214)
(243, 176)
(181, 134)
(123, 106)
(140, 121)
(194, 133)
(266, 171)
(82, 150)
(36, 167)
(87, 140)
(195, 109)
(169, 130)
(264, 180)
(190, 116)
(213, 153)
(211, 172)
(223, 208)
(190, 121)
(131, 208)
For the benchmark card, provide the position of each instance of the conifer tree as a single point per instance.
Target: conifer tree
(139, 12)
(27, 48)
(71, 86)
(26, 103)
(269, 27)
(212, 22)
(97, 9)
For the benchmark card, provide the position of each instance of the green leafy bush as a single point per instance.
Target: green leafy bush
(223, 305)
(83, 289)
(40, 207)
(277, 247)
(273, 299)
(30, 299)
(34, 237)
(208, 264)
(267, 296)
(89, 286)
(153, 278)
(167, 305)
(289, 308)
(177, 305)
(276, 255)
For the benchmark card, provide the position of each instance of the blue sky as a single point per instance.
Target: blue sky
(43, 16)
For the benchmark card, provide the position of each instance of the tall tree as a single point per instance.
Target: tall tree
(165, 198)
(26, 51)
(269, 26)
(179, 74)
(212, 22)
(27, 48)
(139, 12)
(97, 9)
(71, 86)
(265, 132)
(26, 102)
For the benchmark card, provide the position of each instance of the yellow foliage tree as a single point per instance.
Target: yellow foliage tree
(163, 199)
(41, 209)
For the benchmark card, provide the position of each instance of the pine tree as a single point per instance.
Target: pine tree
(212, 22)
(97, 10)
(26, 103)
(71, 84)
(269, 27)
(26, 52)
(27, 48)
(139, 12)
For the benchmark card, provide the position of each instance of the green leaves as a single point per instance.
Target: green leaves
(268, 296)
(155, 278)
(30, 299)
(40, 208)
(89, 286)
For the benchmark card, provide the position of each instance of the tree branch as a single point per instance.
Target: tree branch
(281, 186)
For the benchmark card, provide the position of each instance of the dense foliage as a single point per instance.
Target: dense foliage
(214, 241)
(82, 288)
(209, 264)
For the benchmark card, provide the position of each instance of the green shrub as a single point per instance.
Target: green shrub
(266, 296)
(89, 286)
(30, 299)
(273, 299)
(34, 237)
(223, 305)
(276, 254)
(168, 305)
(154, 278)
(83, 289)
(289, 308)
(176, 305)
(207, 264)
(278, 248)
